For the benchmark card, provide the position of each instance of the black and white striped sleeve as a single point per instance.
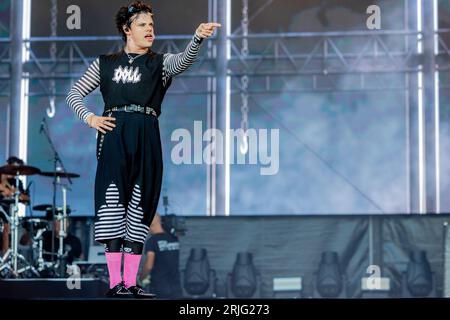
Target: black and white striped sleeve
(174, 64)
(85, 85)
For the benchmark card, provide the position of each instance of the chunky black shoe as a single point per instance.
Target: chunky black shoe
(118, 291)
(139, 293)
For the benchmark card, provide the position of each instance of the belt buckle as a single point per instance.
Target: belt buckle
(135, 108)
(129, 108)
(151, 111)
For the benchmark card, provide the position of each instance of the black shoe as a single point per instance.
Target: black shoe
(118, 291)
(139, 293)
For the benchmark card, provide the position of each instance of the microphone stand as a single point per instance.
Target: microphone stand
(56, 160)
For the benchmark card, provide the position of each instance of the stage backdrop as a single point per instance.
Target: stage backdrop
(292, 246)
(340, 152)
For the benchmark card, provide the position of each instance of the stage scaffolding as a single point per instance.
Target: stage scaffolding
(292, 62)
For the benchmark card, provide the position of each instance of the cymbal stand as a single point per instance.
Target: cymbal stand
(12, 256)
(62, 218)
(7, 253)
(58, 166)
(38, 242)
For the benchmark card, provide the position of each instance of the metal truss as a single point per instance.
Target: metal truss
(5, 58)
(443, 58)
(313, 61)
(275, 63)
(293, 62)
(443, 38)
(72, 60)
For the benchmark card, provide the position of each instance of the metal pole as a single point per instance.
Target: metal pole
(430, 121)
(16, 76)
(412, 102)
(221, 114)
(211, 112)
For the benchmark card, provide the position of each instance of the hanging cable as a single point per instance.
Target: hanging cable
(244, 79)
(53, 27)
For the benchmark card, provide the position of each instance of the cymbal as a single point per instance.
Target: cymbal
(42, 207)
(12, 200)
(59, 174)
(49, 208)
(13, 169)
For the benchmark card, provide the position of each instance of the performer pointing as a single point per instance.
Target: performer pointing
(133, 83)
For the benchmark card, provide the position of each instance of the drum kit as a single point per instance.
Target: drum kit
(12, 263)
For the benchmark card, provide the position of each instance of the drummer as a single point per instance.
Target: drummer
(72, 244)
(7, 189)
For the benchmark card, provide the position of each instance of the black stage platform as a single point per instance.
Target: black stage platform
(51, 288)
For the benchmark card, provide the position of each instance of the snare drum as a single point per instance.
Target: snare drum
(34, 224)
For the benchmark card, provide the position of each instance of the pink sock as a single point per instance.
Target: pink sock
(114, 261)
(130, 268)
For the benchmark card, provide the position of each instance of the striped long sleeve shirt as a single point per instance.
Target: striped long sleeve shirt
(173, 64)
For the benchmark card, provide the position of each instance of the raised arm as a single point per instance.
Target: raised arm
(174, 64)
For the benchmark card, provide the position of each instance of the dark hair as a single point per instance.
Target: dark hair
(173, 224)
(124, 15)
(14, 160)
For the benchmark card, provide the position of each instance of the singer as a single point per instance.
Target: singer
(133, 83)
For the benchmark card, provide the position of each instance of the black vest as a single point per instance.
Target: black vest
(122, 83)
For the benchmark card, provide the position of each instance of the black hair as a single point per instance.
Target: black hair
(124, 15)
(173, 224)
(14, 160)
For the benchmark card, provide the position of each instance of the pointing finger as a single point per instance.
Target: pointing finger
(214, 24)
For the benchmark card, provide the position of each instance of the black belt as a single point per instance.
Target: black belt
(134, 108)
